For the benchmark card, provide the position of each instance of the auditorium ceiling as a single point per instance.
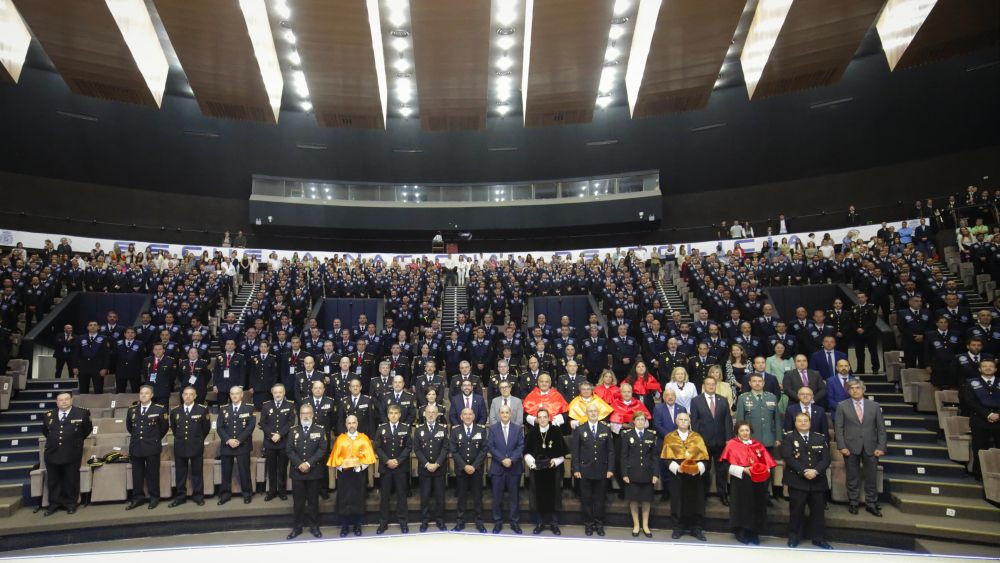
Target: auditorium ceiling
(453, 65)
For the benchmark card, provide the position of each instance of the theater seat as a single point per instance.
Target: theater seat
(945, 402)
(893, 365)
(39, 477)
(166, 466)
(989, 460)
(916, 382)
(6, 390)
(109, 426)
(958, 438)
(111, 481)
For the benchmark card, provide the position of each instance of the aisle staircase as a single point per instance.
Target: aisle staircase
(670, 297)
(453, 301)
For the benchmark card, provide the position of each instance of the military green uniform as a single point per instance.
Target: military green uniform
(763, 414)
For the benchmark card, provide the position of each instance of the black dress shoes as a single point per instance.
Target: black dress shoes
(874, 510)
(699, 535)
(223, 500)
(381, 529)
(296, 532)
(724, 499)
(516, 528)
(556, 530)
(538, 530)
(176, 502)
(588, 530)
(153, 503)
(497, 528)
(357, 530)
(822, 544)
(676, 535)
(853, 508)
(52, 510)
(71, 510)
(480, 527)
(344, 531)
(282, 496)
(403, 528)
(315, 532)
(134, 504)
(269, 497)
(793, 542)
(423, 527)
(599, 530)
(459, 526)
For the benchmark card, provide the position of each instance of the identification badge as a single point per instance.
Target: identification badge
(152, 376)
(195, 416)
(291, 370)
(357, 370)
(192, 380)
(477, 436)
(314, 435)
(440, 434)
(225, 373)
(326, 369)
(245, 415)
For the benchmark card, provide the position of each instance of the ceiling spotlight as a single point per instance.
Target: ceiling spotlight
(401, 65)
(397, 19)
(616, 32)
(507, 15)
(505, 62)
(622, 6)
(405, 112)
(607, 80)
(404, 194)
(505, 42)
(399, 44)
(290, 37)
(611, 54)
(503, 109)
(307, 106)
(281, 8)
(603, 101)
(503, 94)
(294, 58)
(504, 82)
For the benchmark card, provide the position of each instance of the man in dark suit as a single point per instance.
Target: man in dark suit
(800, 377)
(402, 398)
(65, 429)
(277, 417)
(824, 361)
(805, 404)
(262, 375)
(235, 429)
(194, 372)
(467, 399)
(306, 448)
(229, 372)
(468, 452)
(593, 462)
(392, 446)
(159, 372)
(712, 419)
(807, 457)
(431, 446)
(147, 424)
(63, 351)
(861, 435)
(506, 446)
(360, 406)
(836, 387)
(190, 423)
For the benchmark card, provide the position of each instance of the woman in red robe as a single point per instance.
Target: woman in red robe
(607, 387)
(749, 465)
(644, 385)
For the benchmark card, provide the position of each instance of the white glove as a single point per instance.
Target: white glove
(574, 423)
(530, 419)
(558, 420)
(558, 461)
(530, 460)
(701, 468)
(674, 466)
(616, 427)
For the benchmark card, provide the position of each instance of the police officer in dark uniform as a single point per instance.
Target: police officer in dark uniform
(807, 457)
(981, 400)
(468, 452)
(262, 371)
(595, 355)
(430, 445)
(147, 422)
(839, 318)
(235, 428)
(194, 372)
(402, 398)
(358, 405)
(324, 415)
(863, 321)
(392, 446)
(90, 360)
(593, 461)
(913, 323)
(229, 372)
(190, 423)
(624, 350)
(65, 429)
(128, 356)
(427, 381)
(941, 346)
(306, 448)
(277, 417)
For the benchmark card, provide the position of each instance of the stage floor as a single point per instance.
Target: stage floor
(269, 545)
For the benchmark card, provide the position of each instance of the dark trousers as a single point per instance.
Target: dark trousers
(714, 467)
(983, 439)
(60, 362)
(862, 466)
(394, 481)
(508, 482)
(867, 340)
(593, 498)
(194, 465)
(242, 462)
(913, 354)
(126, 379)
(815, 523)
(87, 378)
(146, 470)
(276, 467)
(64, 483)
(305, 502)
(469, 486)
(432, 488)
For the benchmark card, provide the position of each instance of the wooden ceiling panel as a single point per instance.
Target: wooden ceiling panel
(687, 51)
(568, 41)
(451, 49)
(815, 45)
(953, 27)
(87, 48)
(335, 43)
(214, 48)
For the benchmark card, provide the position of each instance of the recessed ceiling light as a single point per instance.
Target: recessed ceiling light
(616, 32)
(405, 112)
(611, 54)
(622, 6)
(294, 58)
(603, 101)
(503, 94)
(399, 44)
(505, 62)
(307, 106)
(290, 37)
(505, 42)
(281, 8)
(401, 65)
(503, 109)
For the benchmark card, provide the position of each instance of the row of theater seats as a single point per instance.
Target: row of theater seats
(989, 461)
